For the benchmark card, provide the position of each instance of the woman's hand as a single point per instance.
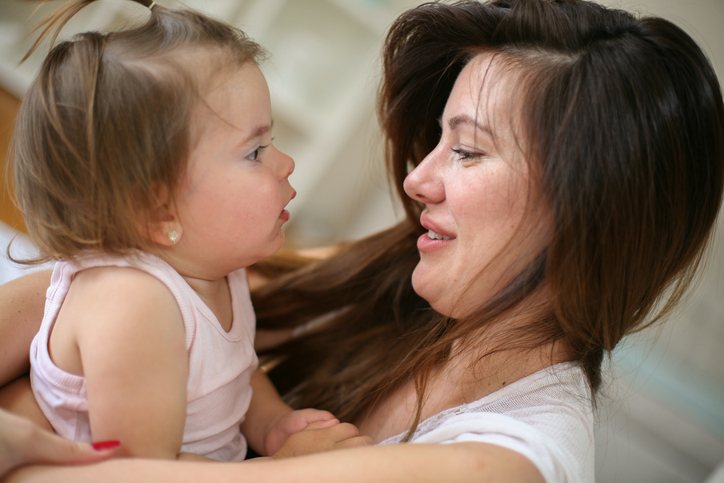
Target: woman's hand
(23, 442)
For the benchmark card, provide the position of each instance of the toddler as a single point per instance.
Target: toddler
(144, 164)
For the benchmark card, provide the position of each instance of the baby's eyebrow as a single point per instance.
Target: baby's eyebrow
(259, 131)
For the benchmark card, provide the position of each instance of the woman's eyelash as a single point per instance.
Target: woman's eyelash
(463, 154)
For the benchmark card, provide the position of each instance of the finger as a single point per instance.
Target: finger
(343, 431)
(326, 423)
(354, 442)
(322, 424)
(320, 414)
(317, 415)
(348, 429)
(50, 448)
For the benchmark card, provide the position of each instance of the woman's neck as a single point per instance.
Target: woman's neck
(464, 379)
(481, 362)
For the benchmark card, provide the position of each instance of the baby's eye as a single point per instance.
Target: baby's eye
(254, 155)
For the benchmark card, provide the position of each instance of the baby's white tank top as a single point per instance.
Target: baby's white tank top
(220, 363)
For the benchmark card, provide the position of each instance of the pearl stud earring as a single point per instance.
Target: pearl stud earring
(173, 236)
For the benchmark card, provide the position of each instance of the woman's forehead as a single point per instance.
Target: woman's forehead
(490, 75)
(487, 91)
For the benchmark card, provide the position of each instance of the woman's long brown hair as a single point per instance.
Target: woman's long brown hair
(106, 125)
(624, 121)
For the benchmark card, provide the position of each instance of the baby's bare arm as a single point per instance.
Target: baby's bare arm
(22, 302)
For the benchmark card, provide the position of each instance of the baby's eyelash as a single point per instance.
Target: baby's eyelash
(254, 155)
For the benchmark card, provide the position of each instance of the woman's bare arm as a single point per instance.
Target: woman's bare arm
(22, 302)
(460, 462)
(17, 398)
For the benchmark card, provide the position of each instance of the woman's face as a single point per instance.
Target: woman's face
(484, 216)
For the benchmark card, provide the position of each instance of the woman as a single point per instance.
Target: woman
(568, 165)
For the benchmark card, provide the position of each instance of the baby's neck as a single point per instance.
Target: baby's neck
(210, 285)
(216, 295)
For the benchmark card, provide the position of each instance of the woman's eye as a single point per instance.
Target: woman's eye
(254, 155)
(463, 155)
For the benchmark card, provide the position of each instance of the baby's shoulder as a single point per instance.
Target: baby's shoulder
(114, 293)
(117, 282)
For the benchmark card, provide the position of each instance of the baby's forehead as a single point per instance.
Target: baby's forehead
(234, 101)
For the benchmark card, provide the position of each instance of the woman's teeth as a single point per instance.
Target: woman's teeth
(436, 236)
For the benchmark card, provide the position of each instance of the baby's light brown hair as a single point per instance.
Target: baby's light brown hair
(106, 126)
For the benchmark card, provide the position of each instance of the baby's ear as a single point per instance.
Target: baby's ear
(163, 227)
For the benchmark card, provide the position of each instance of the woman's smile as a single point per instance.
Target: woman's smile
(435, 238)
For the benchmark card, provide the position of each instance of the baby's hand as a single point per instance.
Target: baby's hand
(320, 436)
(293, 422)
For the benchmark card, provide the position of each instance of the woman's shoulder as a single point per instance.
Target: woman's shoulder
(546, 416)
(561, 389)
(562, 384)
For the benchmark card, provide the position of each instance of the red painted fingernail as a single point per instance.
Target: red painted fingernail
(101, 445)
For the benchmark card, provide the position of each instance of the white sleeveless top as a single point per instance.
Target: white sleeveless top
(220, 363)
(547, 417)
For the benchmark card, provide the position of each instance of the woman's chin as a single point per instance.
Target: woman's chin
(419, 283)
(426, 286)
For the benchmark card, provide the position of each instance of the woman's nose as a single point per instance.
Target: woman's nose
(425, 182)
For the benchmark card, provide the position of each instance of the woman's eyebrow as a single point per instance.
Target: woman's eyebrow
(454, 122)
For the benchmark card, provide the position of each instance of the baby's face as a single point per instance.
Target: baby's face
(232, 199)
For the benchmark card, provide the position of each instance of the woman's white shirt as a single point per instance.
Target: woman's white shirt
(547, 417)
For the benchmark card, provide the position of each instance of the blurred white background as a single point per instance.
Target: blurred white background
(662, 413)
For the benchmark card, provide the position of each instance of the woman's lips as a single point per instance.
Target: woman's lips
(436, 236)
(432, 240)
